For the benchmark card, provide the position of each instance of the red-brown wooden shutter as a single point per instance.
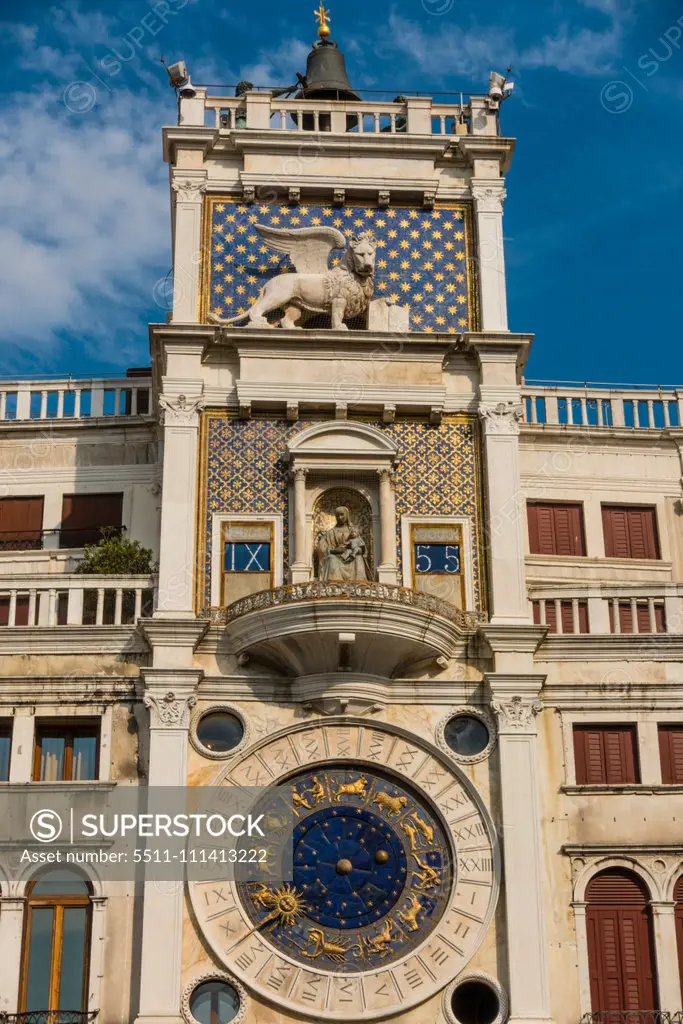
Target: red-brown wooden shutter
(620, 945)
(20, 519)
(605, 755)
(678, 899)
(583, 617)
(671, 754)
(630, 531)
(85, 515)
(555, 529)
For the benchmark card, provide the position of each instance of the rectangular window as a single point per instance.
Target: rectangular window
(606, 755)
(630, 531)
(5, 749)
(21, 524)
(671, 754)
(441, 559)
(84, 516)
(66, 752)
(241, 557)
(555, 529)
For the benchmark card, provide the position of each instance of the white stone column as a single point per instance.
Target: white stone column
(11, 933)
(23, 735)
(300, 570)
(506, 503)
(489, 196)
(170, 697)
(666, 954)
(515, 703)
(180, 417)
(189, 187)
(386, 570)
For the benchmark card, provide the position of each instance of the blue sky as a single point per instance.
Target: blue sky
(592, 220)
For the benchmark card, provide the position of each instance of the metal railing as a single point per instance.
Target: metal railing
(74, 399)
(42, 540)
(593, 405)
(49, 1017)
(633, 1017)
(66, 599)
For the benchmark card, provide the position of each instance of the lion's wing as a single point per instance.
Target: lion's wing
(308, 248)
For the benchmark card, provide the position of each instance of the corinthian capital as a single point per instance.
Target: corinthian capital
(488, 198)
(516, 713)
(168, 710)
(503, 418)
(189, 190)
(181, 411)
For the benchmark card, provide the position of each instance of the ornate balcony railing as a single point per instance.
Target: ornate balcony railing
(633, 1017)
(49, 1017)
(317, 590)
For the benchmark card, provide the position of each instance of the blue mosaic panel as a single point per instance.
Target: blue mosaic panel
(247, 470)
(424, 258)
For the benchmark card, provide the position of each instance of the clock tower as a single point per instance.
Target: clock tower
(342, 608)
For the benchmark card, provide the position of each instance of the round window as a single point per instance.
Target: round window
(475, 1002)
(214, 1002)
(219, 731)
(466, 735)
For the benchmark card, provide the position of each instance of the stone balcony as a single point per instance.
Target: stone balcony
(317, 627)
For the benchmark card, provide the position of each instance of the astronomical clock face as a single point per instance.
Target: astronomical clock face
(394, 875)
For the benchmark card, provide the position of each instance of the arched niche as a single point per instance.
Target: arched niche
(336, 457)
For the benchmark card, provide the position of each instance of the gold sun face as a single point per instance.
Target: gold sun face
(285, 905)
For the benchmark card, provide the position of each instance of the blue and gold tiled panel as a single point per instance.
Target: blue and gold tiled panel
(244, 469)
(424, 257)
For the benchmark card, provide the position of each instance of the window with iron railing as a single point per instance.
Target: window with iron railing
(21, 524)
(85, 516)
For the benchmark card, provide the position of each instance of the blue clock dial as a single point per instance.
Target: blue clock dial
(372, 874)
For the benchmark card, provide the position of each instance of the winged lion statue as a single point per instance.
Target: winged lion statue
(344, 291)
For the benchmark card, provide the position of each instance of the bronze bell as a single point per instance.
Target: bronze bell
(326, 79)
(326, 76)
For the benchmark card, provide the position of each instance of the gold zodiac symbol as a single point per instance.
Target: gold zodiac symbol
(426, 830)
(412, 836)
(300, 801)
(409, 916)
(318, 792)
(393, 805)
(263, 897)
(380, 942)
(357, 788)
(427, 876)
(334, 951)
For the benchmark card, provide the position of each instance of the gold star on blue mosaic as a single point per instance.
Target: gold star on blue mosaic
(423, 257)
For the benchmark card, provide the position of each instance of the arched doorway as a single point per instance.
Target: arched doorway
(678, 900)
(620, 942)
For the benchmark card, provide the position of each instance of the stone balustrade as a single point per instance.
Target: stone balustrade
(72, 599)
(412, 115)
(593, 405)
(601, 609)
(75, 399)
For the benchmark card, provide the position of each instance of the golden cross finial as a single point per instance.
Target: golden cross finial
(323, 18)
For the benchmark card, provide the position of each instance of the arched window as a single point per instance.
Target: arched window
(620, 942)
(56, 942)
(678, 900)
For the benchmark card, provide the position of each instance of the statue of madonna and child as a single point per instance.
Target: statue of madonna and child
(342, 552)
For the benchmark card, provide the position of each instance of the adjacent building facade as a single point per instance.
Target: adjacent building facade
(440, 602)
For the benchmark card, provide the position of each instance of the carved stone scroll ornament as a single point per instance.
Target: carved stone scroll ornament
(503, 418)
(343, 292)
(189, 191)
(169, 711)
(517, 713)
(182, 412)
(489, 199)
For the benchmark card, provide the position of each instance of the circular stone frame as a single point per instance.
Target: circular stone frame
(201, 979)
(211, 709)
(314, 992)
(484, 717)
(485, 979)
